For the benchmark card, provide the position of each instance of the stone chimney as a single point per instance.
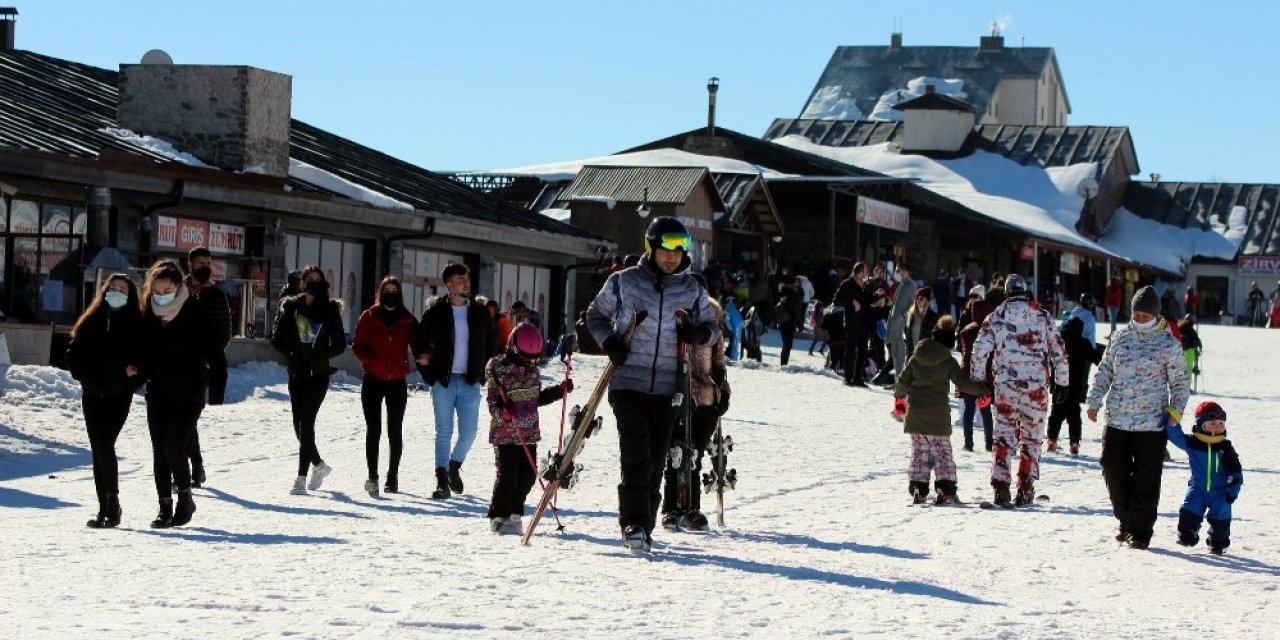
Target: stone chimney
(232, 117)
(8, 24)
(895, 41)
(993, 43)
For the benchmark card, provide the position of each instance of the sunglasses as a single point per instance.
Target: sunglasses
(676, 242)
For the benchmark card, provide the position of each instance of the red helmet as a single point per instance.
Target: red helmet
(525, 341)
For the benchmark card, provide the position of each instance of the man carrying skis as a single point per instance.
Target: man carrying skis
(644, 383)
(1026, 354)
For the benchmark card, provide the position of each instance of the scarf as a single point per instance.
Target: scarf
(168, 312)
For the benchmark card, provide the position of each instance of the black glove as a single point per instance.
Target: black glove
(692, 334)
(1231, 499)
(722, 406)
(567, 386)
(616, 350)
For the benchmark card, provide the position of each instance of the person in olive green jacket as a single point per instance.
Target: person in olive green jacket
(926, 383)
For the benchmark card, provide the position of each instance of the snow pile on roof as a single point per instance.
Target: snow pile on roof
(604, 200)
(155, 145)
(827, 104)
(916, 87)
(337, 184)
(1168, 247)
(1042, 202)
(559, 215)
(556, 171)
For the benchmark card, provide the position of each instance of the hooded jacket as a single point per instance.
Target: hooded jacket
(1020, 342)
(1142, 372)
(1081, 356)
(650, 366)
(927, 380)
(309, 359)
(1215, 466)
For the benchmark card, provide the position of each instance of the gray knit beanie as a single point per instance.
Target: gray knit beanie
(1146, 301)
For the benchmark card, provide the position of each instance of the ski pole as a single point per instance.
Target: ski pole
(532, 462)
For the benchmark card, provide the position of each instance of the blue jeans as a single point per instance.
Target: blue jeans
(1114, 314)
(464, 399)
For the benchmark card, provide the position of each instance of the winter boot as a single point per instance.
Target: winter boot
(1139, 543)
(299, 486)
(497, 524)
(185, 508)
(1075, 448)
(442, 484)
(164, 519)
(946, 493)
(671, 521)
(455, 478)
(634, 538)
(1187, 539)
(919, 491)
(515, 524)
(694, 521)
(371, 486)
(112, 511)
(318, 473)
(1219, 535)
(1026, 493)
(97, 521)
(393, 482)
(1122, 535)
(197, 475)
(1002, 498)
(1053, 446)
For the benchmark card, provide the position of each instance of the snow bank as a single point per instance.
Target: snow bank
(337, 184)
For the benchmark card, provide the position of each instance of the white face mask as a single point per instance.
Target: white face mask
(1146, 325)
(163, 299)
(115, 299)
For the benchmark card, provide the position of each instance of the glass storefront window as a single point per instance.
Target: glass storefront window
(4, 215)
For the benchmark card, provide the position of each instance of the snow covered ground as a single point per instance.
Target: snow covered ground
(819, 540)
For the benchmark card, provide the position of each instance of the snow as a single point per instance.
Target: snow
(155, 145)
(828, 104)
(1169, 247)
(560, 215)
(819, 540)
(337, 184)
(557, 171)
(916, 87)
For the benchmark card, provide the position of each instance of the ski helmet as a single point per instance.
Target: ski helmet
(1015, 285)
(525, 341)
(670, 234)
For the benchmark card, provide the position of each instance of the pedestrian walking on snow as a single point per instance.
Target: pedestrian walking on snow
(382, 339)
(1216, 478)
(201, 286)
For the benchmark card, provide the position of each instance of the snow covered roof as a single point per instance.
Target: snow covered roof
(1202, 219)
(568, 170)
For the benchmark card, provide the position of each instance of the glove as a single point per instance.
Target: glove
(983, 402)
(692, 334)
(1170, 416)
(567, 386)
(616, 350)
(508, 410)
(722, 406)
(1231, 498)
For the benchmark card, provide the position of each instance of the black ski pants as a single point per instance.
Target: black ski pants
(644, 431)
(171, 424)
(855, 356)
(1069, 411)
(1132, 463)
(373, 393)
(515, 479)
(305, 397)
(104, 417)
(704, 424)
(788, 332)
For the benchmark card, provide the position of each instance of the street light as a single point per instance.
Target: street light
(644, 210)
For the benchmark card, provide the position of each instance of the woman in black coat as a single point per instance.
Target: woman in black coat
(309, 333)
(1081, 356)
(176, 343)
(103, 356)
(789, 313)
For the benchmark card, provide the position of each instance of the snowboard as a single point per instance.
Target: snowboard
(987, 504)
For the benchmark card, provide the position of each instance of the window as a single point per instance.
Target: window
(41, 248)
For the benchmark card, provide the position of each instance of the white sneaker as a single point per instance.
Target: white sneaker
(497, 525)
(372, 487)
(318, 474)
(299, 486)
(515, 525)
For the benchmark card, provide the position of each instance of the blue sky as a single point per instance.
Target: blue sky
(480, 85)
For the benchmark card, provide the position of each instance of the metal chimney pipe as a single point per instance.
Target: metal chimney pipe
(713, 85)
(8, 25)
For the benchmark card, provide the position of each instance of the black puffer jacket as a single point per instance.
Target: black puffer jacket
(307, 360)
(175, 356)
(435, 336)
(1081, 356)
(103, 346)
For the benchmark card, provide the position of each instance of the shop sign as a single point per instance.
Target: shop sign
(1028, 250)
(185, 234)
(882, 214)
(226, 238)
(1069, 263)
(1259, 265)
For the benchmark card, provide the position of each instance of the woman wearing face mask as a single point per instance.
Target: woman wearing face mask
(103, 356)
(1143, 377)
(309, 333)
(920, 319)
(177, 340)
(381, 343)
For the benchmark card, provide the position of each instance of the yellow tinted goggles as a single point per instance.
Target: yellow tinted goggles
(676, 242)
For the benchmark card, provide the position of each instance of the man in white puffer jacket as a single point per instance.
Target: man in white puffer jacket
(1143, 377)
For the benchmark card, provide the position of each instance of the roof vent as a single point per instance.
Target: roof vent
(8, 24)
(993, 42)
(930, 88)
(156, 56)
(895, 40)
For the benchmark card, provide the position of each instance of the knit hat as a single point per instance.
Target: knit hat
(978, 291)
(944, 333)
(1208, 412)
(1146, 301)
(1014, 285)
(924, 292)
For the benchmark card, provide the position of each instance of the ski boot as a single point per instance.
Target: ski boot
(1053, 447)
(919, 491)
(1026, 494)
(1002, 498)
(671, 521)
(946, 493)
(635, 539)
(694, 521)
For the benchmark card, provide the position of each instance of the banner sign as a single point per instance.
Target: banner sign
(1260, 265)
(185, 234)
(883, 214)
(1069, 263)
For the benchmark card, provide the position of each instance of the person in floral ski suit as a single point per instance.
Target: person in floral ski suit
(1021, 342)
(514, 395)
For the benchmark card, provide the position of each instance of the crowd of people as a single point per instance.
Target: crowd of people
(1018, 368)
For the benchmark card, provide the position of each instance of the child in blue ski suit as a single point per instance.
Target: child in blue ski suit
(1216, 477)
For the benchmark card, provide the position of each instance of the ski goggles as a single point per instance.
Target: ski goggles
(676, 242)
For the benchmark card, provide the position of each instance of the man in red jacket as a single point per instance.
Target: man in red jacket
(1113, 298)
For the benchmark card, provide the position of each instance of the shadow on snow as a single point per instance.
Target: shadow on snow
(16, 499)
(49, 456)
(262, 506)
(205, 534)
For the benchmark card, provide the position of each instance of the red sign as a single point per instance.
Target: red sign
(883, 214)
(184, 234)
(1259, 265)
(1028, 251)
(226, 238)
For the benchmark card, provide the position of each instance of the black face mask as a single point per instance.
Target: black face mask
(390, 299)
(202, 274)
(317, 289)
